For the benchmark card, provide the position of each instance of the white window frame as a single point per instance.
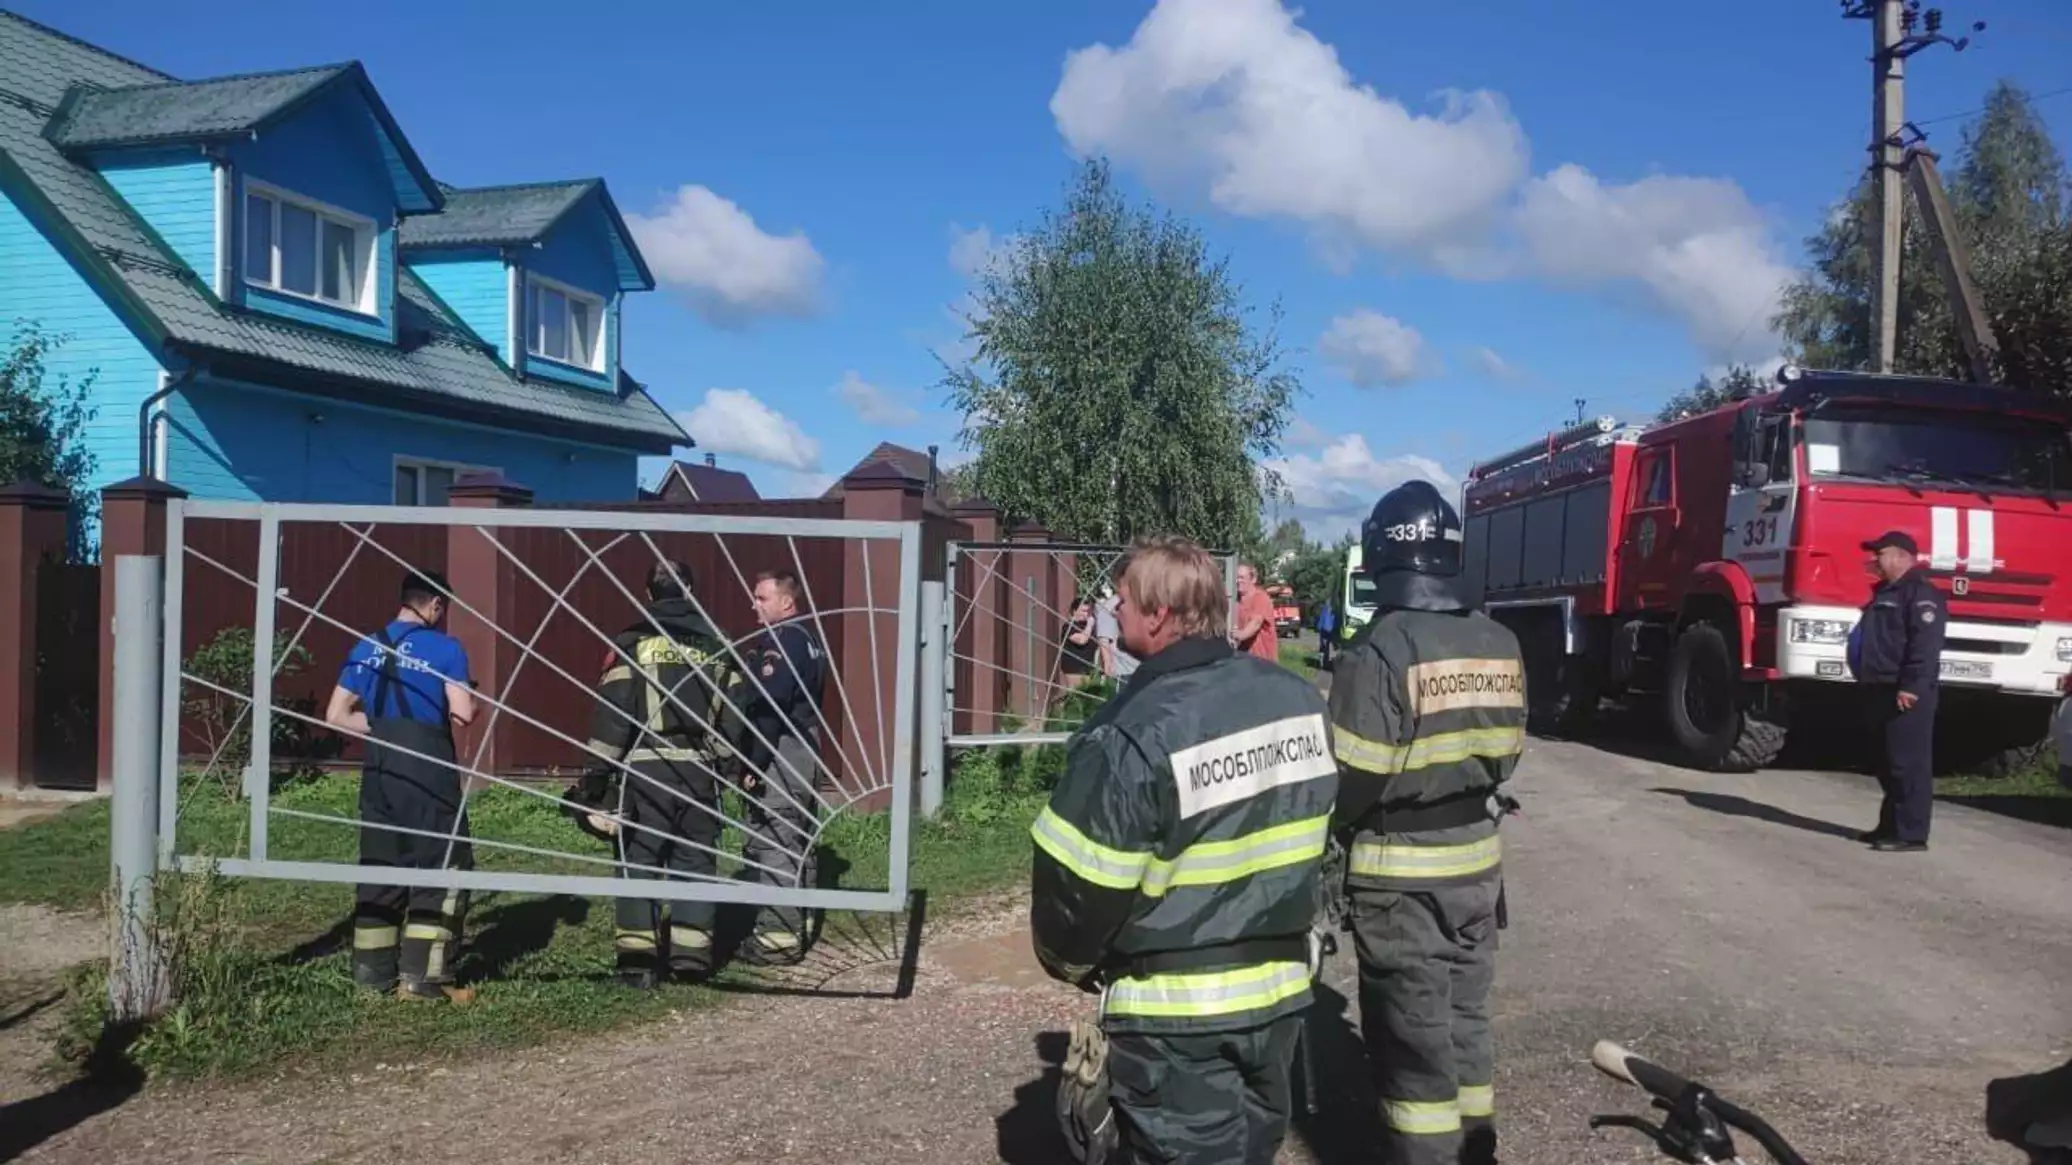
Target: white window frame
(533, 338)
(420, 464)
(366, 238)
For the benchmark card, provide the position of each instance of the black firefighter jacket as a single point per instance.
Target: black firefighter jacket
(1428, 716)
(1176, 864)
(669, 691)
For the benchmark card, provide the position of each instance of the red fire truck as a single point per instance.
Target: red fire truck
(1711, 566)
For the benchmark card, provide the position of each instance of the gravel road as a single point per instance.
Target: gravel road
(1723, 924)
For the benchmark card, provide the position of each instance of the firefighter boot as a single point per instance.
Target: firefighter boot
(1084, 1113)
(690, 953)
(774, 946)
(375, 956)
(637, 964)
(427, 964)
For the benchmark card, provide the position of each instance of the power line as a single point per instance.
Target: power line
(2033, 97)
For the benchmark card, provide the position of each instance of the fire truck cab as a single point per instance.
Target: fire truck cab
(1713, 565)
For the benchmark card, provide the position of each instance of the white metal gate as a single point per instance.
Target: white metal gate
(1007, 637)
(870, 632)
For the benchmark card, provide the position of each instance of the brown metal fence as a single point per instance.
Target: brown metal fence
(68, 674)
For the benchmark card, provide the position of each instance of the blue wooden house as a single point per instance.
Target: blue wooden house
(277, 301)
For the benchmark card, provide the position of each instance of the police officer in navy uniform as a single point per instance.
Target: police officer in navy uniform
(1900, 660)
(402, 689)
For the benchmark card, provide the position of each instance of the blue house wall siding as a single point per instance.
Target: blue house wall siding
(327, 153)
(247, 444)
(577, 252)
(174, 192)
(37, 285)
(474, 283)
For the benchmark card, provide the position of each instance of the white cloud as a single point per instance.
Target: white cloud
(1488, 363)
(1234, 95)
(733, 421)
(731, 270)
(1235, 99)
(1302, 435)
(1374, 350)
(973, 251)
(874, 405)
(1696, 248)
(1331, 491)
(805, 485)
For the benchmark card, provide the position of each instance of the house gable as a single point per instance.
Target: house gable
(142, 277)
(313, 211)
(572, 275)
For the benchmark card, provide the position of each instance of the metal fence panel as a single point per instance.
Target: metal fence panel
(537, 597)
(1017, 666)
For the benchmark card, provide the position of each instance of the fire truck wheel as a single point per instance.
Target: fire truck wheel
(1706, 715)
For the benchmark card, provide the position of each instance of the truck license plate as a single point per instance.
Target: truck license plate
(1964, 669)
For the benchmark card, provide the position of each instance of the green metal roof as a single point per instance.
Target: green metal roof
(513, 216)
(495, 215)
(438, 367)
(92, 118)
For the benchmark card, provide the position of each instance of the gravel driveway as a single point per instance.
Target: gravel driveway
(1723, 924)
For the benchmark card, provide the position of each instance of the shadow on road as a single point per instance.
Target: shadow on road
(2023, 807)
(108, 1079)
(1343, 1130)
(1028, 1133)
(843, 942)
(1734, 806)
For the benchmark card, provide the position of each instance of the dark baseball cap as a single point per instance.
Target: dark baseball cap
(1893, 538)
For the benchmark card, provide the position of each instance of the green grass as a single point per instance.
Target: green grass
(264, 977)
(1298, 659)
(2039, 782)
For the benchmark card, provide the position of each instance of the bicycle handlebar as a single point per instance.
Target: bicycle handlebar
(1650, 1077)
(1677, 1094)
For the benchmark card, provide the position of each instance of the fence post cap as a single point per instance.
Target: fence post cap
(142, 489)
(882, 475)
(1030, 531)
(34, 495)
(976, 506)
(489, 489)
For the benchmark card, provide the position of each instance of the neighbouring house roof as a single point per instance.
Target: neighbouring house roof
(914, 463)
(437, 367)
(707, 483)
(509, 216)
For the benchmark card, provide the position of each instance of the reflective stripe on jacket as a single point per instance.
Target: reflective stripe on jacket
(1427, 709)
(1192, 816)
(669, 690)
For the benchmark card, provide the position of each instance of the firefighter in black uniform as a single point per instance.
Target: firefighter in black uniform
(402, 690)
(1176, 873)
(1428, 715)
(1900, 667)
(665, 712)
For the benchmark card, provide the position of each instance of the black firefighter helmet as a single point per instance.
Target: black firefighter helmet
(1411, 548)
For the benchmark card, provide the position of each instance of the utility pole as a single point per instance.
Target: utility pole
(1888, 113)
(1892, 41)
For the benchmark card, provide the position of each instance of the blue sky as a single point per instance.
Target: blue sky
(1600, 209)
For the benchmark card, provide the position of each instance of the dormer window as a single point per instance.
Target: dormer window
(296, 246)
(565, 325)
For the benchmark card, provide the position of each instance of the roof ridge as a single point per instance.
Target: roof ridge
(505, 186)
(46, 29)
(175, 83)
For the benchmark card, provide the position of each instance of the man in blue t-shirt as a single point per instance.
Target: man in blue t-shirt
(401, 691)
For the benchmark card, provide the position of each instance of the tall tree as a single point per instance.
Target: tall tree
(1118, 387)
(2009, 193)
(43, 423)
(1710, 394)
